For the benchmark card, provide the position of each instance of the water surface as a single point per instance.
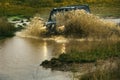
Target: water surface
(20, 58)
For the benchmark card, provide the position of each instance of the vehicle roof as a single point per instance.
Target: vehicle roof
(71, 7)
(68, 8)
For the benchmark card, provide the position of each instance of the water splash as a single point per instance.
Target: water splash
(82, 24)
(76, 23)
(35, 29)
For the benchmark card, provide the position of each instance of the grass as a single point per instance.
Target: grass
(6, 29)
(15, 10)
(109, 74)
(101, 9)
(106, 10)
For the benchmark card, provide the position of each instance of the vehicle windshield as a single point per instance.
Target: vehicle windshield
(53, 16)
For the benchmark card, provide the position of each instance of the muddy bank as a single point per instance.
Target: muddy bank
(82, 67)
(56, 64)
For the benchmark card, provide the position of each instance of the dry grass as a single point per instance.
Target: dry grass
(109, 72)
(82, 24)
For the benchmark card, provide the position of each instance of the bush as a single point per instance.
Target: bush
(6, 29)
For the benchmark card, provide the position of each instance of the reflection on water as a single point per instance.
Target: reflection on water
(63, 48)
(45, 49)
(20, 58)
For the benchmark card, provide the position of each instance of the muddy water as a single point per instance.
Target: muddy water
(20, 58)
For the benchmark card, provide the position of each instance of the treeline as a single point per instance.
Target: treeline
(52, 3)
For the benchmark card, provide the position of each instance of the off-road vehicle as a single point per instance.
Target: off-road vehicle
(51, 24)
